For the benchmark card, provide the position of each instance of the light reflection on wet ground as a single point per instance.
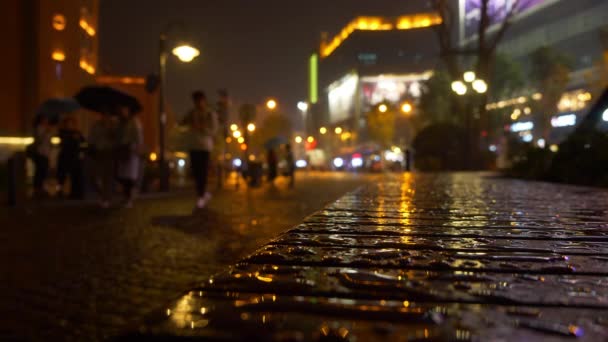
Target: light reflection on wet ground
(452, 257)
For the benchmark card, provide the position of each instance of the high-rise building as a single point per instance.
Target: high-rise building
(49, 50)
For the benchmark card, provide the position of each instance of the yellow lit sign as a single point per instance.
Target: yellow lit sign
(380, 24)
(16, 140)
(59, 22)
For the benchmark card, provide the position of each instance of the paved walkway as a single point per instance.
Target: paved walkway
(76, 272)
(447, 257)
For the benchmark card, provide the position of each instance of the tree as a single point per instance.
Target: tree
(507, 78)
(483, 54)
(435, 100)
(274, 125)
(550, 74)
(381, 125)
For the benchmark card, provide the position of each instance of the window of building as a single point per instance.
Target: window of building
(59, 22)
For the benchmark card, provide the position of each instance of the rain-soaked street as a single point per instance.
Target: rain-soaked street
(448, 257)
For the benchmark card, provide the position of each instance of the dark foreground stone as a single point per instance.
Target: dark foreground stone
(458, 257)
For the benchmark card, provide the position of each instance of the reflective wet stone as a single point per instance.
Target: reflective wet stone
(453, 257)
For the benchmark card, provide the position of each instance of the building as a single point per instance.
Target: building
(373, 60)
(578, 29)
(50, 50)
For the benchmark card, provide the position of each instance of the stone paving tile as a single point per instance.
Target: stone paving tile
(445, 257)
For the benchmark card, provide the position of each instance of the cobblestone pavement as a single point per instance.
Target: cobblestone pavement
(446, 257)
(76, 272)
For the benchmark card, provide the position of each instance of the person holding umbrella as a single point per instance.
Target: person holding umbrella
(131, 140)
(104, 136)
(203, 124)
(69, 161)
(40, 151)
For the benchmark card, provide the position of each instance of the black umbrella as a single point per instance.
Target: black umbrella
(52, 109)
(275, 142)
(106, 100)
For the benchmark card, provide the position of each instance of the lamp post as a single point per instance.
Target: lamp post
(186, 54)
(461, 88)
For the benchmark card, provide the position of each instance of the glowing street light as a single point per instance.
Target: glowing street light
(383, 108)
(338, 130)
(271, 104)
(186, 53)
(459, 87)
(237, 134)
(323, 130)
(310, 140)
(406, 108)
(299, 139)
(480, 86)
(469, 76)
(302, 106)
(234, 127)
(251, 127)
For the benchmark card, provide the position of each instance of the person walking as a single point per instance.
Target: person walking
(202, 124)
(69, 162)
(102, 142)
(131, 141)
(273, 163)
(291, 165)
(40, 152)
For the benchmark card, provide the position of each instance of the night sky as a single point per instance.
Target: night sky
(254, 48)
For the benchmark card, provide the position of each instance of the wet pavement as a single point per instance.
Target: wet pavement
(445, 257)
(72, 271)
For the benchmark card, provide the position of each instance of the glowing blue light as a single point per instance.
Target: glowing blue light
(338, 162)
(528, 138)
(605, 115)
(237, 162)
(492, 148)
(564, 120)
(522, 126)
(181, 163)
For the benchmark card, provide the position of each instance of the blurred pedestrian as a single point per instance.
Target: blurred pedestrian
(291, 165)
(130, 149)
(273, 165)
(69, 161)
(40, 151)
(103, 142)
(203, 124)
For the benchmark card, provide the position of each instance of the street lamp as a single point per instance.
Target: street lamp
(302, 106)
(298, 140)
(383, 108)
(406, 108)
(186, 54)
(271, 104)
(479, 86)
(338, 130)
(251, 127)
(323, 130)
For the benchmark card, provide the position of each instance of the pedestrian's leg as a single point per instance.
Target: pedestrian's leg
(197, 171)
(205, 171)
(77, 181)
(62, 173)
(42, 168)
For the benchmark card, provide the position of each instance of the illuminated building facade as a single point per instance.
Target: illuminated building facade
(50, 50)
(372, 60)
(575, 29)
